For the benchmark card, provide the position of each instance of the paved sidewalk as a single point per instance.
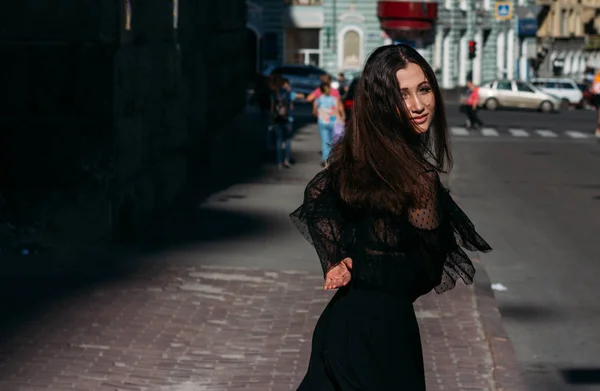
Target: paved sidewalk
(229, 303)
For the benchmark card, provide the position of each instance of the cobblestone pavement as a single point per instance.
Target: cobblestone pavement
(215, 328)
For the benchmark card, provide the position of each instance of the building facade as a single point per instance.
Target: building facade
(338, 35)
(568, 37)
(505, 44)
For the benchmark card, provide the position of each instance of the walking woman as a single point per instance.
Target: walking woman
(328, 109)
(385, 229)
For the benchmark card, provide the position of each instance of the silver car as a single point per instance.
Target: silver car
(516, 94)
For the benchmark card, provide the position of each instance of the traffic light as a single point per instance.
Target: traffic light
(472, 49)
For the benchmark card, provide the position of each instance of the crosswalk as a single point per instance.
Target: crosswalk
(459, 131)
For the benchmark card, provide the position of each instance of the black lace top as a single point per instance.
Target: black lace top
(410, 253)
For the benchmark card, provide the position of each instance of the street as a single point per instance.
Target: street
(538, 204)
(567, 125)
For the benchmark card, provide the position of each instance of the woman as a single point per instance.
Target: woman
(328, 110)
(385, 229)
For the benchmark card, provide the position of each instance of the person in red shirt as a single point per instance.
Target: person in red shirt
(316, 93)
(472, 105)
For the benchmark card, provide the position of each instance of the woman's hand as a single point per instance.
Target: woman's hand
(339, 275)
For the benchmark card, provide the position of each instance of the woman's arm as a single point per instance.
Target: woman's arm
(314, 110)
(313, 95)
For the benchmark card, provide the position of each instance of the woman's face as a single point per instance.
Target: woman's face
(417, 95)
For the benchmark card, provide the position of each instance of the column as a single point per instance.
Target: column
(464, 63)
(510, 53)
(501, 55)
(438, 48)
(447, 69)
(477, 61)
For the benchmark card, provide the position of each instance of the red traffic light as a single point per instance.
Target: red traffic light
(472, 49)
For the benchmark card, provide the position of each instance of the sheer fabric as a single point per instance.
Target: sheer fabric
(412, 253)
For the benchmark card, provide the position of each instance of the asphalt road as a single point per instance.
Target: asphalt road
(572, 125)
(537, 201)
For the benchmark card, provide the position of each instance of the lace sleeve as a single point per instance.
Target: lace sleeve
(319, 220)
(443, 228)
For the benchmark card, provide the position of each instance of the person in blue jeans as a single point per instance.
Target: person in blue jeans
(280, 122)
(328, 109)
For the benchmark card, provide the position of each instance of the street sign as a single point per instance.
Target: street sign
(504, 10)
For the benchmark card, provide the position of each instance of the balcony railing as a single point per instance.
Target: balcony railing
(303, 2)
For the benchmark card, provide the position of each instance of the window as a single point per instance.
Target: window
(523, 87)
(351, 48)
(127, 15)
(175, 14)
(302, 46)
(504, 86)
(566, 86)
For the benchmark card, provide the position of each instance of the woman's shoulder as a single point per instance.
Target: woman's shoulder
(321, 185)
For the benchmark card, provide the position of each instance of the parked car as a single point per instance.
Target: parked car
(303, 78)
(516, 94)
(566, 89)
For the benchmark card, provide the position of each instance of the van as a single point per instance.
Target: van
(565, 89)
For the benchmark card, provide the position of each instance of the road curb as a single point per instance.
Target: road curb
(507, 372)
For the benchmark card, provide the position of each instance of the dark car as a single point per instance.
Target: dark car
(303, 78)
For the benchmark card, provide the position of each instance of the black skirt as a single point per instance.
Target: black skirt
(366, 340)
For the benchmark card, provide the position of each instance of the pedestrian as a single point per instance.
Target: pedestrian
(328, 109)
(327, 79)
(385, 229)
(472, 106)
(343, 84)
(280, 122)
(595, 90)
(293, 96)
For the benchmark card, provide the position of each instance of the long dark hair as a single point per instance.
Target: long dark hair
(379, 160)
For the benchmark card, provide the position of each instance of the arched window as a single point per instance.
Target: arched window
(350, 48)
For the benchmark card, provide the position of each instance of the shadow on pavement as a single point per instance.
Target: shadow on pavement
(528, 313)
(32, 285)
(581, 376)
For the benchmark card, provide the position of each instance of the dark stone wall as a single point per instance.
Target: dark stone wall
(102, 128)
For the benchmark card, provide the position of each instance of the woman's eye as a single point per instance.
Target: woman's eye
(425, 90)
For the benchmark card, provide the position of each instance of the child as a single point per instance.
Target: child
(328, 109)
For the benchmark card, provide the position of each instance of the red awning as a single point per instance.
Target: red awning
(407, 15)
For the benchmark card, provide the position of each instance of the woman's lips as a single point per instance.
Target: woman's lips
(420, 120)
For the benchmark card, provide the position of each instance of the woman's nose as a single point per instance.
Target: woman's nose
(415, 104)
